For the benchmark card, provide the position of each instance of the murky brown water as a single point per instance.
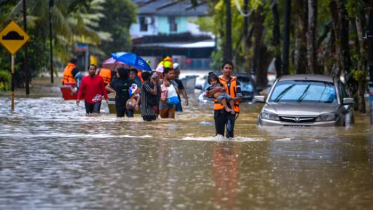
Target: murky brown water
(53, 156)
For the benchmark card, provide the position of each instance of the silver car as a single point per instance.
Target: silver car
(306, 100)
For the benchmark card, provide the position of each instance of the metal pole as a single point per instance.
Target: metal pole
(25, 48)
(50, 39)
(12, 67)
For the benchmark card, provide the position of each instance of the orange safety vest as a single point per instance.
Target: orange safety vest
(67, 73)
(232, 90)
(106, 75)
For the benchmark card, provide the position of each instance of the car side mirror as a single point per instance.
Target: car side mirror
(348, 101)
(198, 87)
(259, 99)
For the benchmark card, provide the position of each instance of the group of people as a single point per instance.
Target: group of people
(157, 93)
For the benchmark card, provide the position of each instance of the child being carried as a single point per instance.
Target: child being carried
(220, 93)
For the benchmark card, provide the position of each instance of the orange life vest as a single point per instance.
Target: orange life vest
(67, 73)
(232, 90)
(106, 75)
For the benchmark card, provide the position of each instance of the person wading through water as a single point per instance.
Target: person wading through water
(120, 86)
(93, 88)
(223, 118)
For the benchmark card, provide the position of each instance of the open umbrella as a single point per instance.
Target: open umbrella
(111, 64)
(132, 60)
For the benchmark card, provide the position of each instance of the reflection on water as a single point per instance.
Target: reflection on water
(53, 156)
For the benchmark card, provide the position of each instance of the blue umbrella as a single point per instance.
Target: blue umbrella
(131, 60)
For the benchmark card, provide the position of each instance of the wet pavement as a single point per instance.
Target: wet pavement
(55, 157)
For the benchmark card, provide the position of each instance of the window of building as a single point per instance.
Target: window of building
(143, 24)
(173, 24)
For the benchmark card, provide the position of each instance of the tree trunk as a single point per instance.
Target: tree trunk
(300, 54)
(286, 40)
(259, 51)
(228, 32)
(311, 37)
(329, 58)
(336, 28)
(276, 37)
(343, 34)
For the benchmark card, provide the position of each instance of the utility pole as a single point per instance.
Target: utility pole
(51, 4)
(25, 48)
(286, 43)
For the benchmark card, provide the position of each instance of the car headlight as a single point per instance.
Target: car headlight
(269, 116)
(326, 117)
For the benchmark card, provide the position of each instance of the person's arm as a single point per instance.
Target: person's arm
(210, 93)
(154, 90)
(238, 97)
(185, 96)
(104, 90)
(80, 92)
(109, 89)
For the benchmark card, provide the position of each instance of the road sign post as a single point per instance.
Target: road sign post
(13, 37)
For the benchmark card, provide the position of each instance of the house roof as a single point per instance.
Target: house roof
(171, 8)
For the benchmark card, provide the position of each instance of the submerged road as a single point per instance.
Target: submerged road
(52, 156)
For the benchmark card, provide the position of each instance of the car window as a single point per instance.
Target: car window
(304, 91)
(246, 86)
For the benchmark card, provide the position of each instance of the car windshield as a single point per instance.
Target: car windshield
(304, 91)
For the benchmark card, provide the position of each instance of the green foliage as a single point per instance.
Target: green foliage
(5, 80)
(119, 15)
(359, 75)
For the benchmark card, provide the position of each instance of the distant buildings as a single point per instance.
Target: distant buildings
(166, 27)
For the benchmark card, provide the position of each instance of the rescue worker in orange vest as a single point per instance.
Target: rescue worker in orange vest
(106, 74)
(67, 73)
(223, 118)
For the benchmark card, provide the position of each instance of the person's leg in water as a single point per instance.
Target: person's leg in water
(96, 107)
(129, 112)
(220, 121)
(88, 107)
(231, 118)
(171, 112)
(119, 108)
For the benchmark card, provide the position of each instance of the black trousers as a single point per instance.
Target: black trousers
(92, 108)
(224, 120)
(120, 106)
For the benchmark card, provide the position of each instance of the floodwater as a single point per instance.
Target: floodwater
(52, 156)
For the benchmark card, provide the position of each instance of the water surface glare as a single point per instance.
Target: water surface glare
(52, 156)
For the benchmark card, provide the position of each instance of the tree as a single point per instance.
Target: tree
(286, 42)
(119, 15)
(311, 37)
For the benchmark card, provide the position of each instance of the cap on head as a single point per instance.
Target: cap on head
(159, 69)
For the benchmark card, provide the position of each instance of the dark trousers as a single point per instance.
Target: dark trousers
(92, 108)
(224, 119)
(178, 107)
(120, 107)
(129, 112)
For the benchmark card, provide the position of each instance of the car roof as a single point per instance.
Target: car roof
(314, 77)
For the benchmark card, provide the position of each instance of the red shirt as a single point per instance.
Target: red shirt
(93, 89)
